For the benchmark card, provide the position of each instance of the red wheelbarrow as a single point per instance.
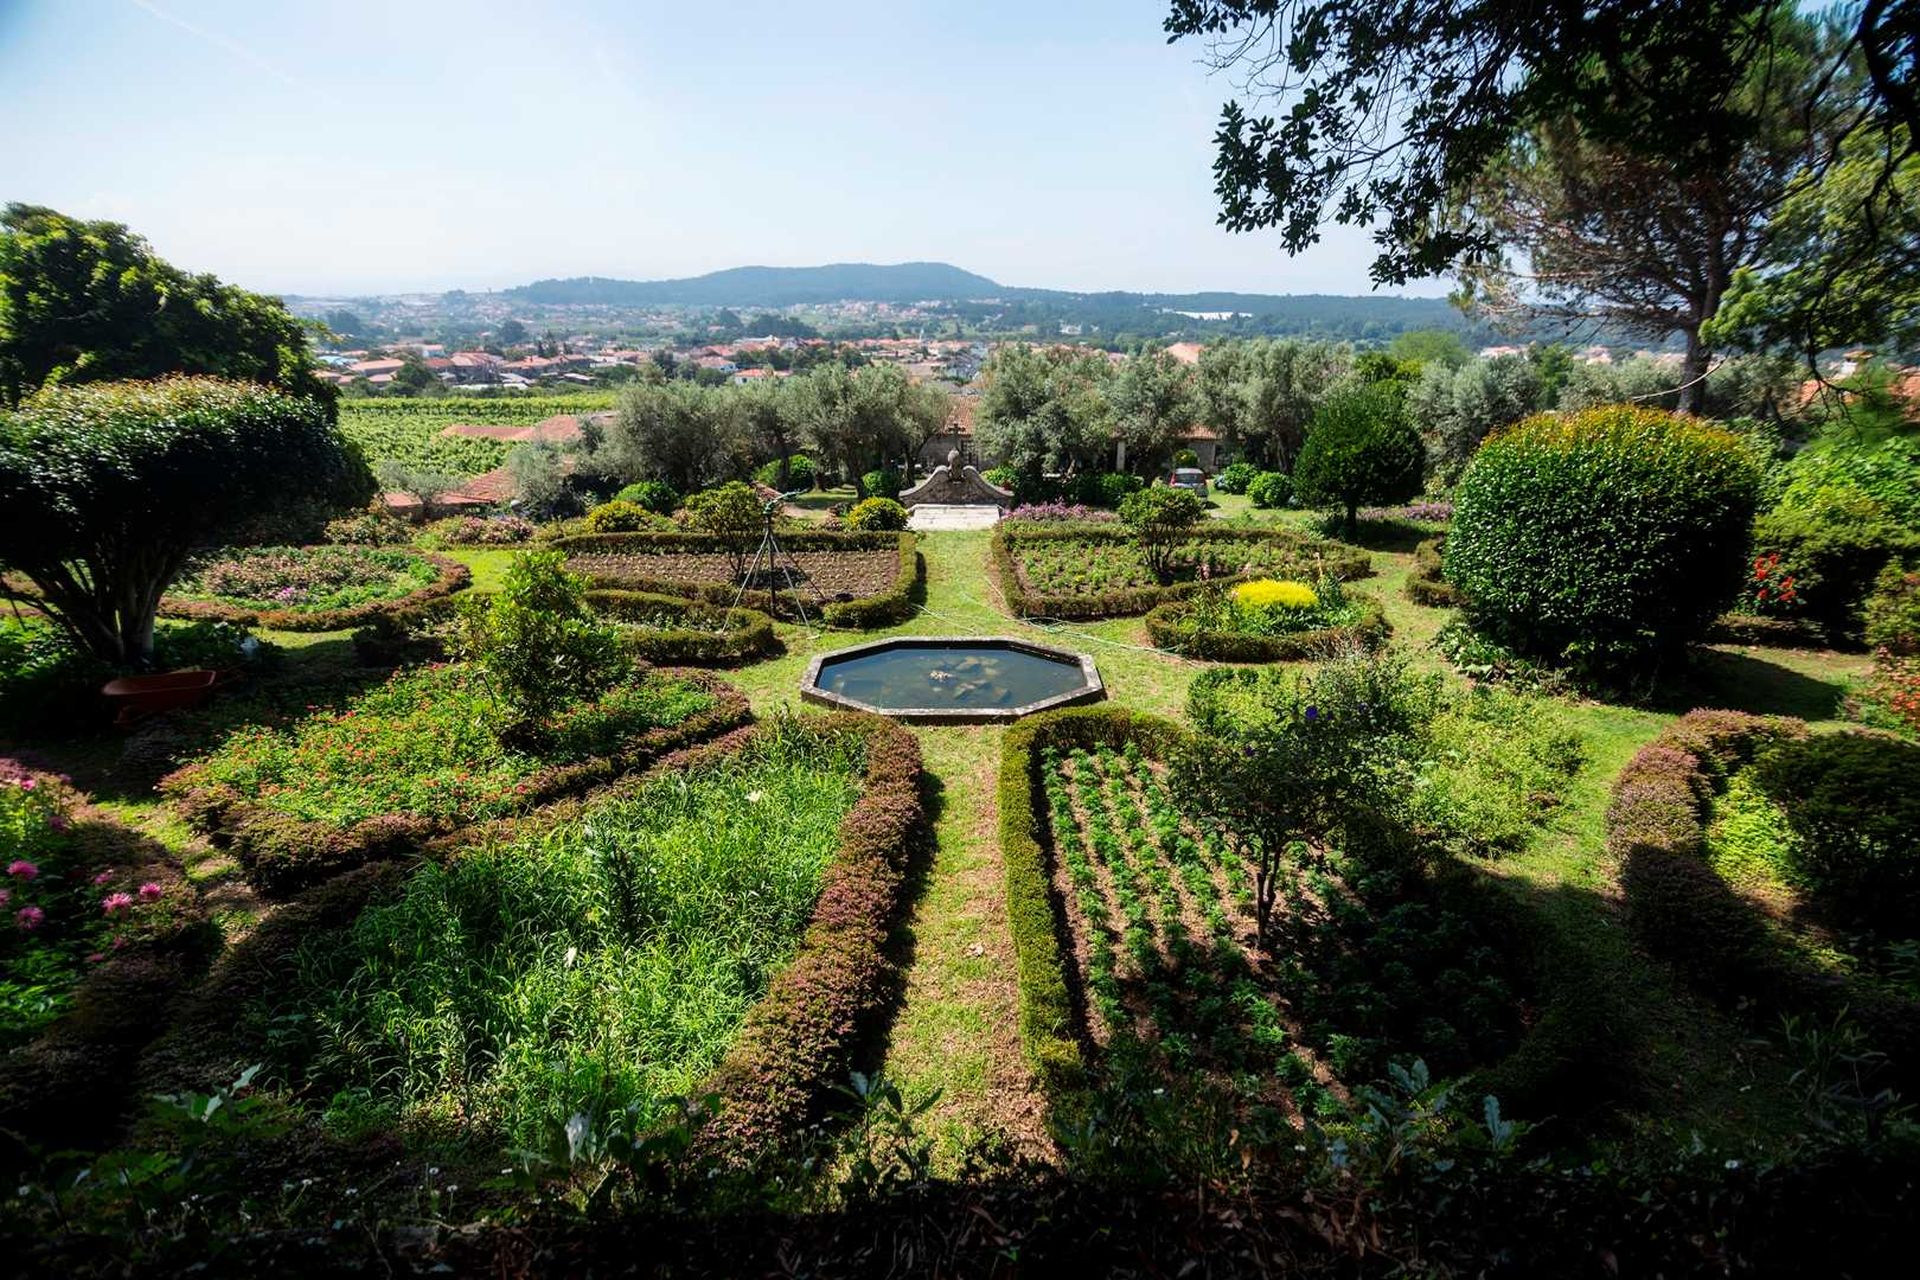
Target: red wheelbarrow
(136, 697)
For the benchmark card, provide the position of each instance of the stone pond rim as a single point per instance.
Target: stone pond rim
(1089, 688)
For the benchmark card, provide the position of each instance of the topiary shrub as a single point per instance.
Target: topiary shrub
(879, 514)
(1852, 804)
(880, 484)
(1270, 489)
(801, 473)
(621, 517)
(1602, 536)
(1361, 450)
(656, 496)
(1235, 477)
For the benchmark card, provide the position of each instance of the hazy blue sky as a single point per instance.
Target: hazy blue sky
(363, 147)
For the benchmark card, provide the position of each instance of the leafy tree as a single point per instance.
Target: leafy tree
(1382, 111)
(856, 419)
(541, 648)
(425, 485)
(1044, 409)
(90, 302)
(770, 424)
(106, 489)
(1159, 516)
(512, 333)
(1361, 449)
(1427, 347)
(1260, 394)
(676, 431)
(539, 470)
(413, 378)
(1455, 409)
(1153, 406)
(732, 513)
(346, 324)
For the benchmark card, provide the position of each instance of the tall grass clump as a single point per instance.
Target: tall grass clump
(596, 966)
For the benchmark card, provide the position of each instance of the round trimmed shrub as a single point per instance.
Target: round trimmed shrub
(1270, 489)
(882, 515)
(620, 516)
(656, 496)
(800, 473)
(1235, 477)
(1105, 488)
(880, 484)
(1602, 536)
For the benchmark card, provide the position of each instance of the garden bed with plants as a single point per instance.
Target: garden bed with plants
(1264, 620)
(1775, 868)
(866, 579)
(98, 927)
(320, 588)
(676, 631)
(698, 947)
(1083, 572)
(1427, 583)
(420, 756)
(1147, 995)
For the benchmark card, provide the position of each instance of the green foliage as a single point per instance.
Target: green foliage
(1455, 407)
(540, 646)
(656, 496)
(1261, 393)
(1442, 348)
(883, 514)
(880, 484)
(1104, 489)
(1235, 477)
(1045, 410)
(1214, 626)
(622, 516)
(734, 514)
(1153, 404)
(1186, 458)
(801, 473)
(374, 527)
(90, 302)
(1893, 611)
(596, 966)
(1158, 517)
(106, 489)
(1360, 450)
(1270, 490)
(293, 581)
(1601, 536)
(1749, 841)
(1854, 812)
(410, 431)
(1830, 546)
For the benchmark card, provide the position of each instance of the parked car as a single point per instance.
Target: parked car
(1192, 478)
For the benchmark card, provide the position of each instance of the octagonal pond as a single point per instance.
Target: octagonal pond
(952, 679)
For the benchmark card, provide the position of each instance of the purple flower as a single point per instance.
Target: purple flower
(104, 876)
(150, 891)
(6, 896)
(23, 869)
(1313, 714)
(114, 903)
(27, 919)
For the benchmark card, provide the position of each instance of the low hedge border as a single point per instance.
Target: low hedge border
(740, 635)
(1371, 630)
(1427, 584)
(885, 609)
(70, 1083)
(1345, 563)
(282, 854)
(1571, 1045)
(1769, 633)
(452, 576)
(796, 1043)
(1679, 908)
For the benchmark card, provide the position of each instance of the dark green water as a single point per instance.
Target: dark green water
(954, 677)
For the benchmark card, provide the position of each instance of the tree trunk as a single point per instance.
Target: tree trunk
(1693, 373)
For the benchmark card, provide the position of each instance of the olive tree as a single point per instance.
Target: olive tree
(106, 489)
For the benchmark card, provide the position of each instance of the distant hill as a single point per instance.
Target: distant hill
(769, 287)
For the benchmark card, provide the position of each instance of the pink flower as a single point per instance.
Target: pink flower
(22, 868)
(96, 958)
(104, 876)
(150, 891)
(29, 918)
(6, 896)
(27, 784)
(116, 902)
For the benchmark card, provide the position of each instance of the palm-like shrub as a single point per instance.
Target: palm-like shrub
(1602, 536)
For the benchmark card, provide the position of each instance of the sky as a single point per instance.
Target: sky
(349, 148)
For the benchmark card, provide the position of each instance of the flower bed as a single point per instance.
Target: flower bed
(1756, 948)
(1427, 584)
(321, 588)
(97, 928)
(717, 926)
(867, 579)
(1083, 572)
(417, 757)
(478, 531)
(1222, 626)
(1157, 917)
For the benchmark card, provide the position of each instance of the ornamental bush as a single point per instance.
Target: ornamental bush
(656, 496)
(1105, 488)
(801, 473)
(1602, 536)
(1158, 517)
(1361, 450)
(880, 484)
(620, 516)
(1831, 544)
(732, 513)
(1235, 477)
(1854, 811)
(880, 514)
(1893, 612)
(1270, 489)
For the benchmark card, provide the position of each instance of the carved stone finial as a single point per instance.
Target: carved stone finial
(953, 459)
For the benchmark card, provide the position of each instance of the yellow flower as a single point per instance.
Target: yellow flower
(1265, 593)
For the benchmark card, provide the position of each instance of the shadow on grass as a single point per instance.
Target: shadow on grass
(1757, 683)
(1398, 536)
